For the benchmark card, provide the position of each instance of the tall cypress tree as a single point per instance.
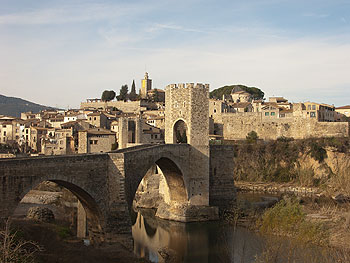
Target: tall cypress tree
(132, 94)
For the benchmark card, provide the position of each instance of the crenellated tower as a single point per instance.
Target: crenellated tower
(187, 121)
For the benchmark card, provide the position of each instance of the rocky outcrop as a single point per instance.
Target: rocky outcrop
(187, 213)
(335, 163)
(41, 197)
(41, 214)
(147, 194)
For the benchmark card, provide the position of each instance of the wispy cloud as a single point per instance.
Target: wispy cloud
(158, 27)
(70, 13)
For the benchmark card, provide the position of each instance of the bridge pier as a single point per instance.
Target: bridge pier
(81, 221)
(187, 212)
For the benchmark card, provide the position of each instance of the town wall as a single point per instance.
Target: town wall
(237, 125)
(125, 106)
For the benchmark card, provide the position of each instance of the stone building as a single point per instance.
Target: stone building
(98, 119)
(151, 134)
(342, 113)
(241, 96)
(95, 140)
(345, 110)
(146, 85)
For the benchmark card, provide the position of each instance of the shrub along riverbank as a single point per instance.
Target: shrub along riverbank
(322, 228)
(323, 163)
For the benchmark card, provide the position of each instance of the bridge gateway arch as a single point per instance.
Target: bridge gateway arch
(197, 175)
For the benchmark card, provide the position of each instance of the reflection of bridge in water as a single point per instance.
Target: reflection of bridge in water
(105, 184)
(167, 241)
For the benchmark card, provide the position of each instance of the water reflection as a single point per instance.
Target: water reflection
(192, 242)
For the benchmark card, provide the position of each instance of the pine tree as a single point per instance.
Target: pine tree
(123, 93)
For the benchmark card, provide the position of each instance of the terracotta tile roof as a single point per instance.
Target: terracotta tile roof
(347, 107)
(99, 131)
(240, 104)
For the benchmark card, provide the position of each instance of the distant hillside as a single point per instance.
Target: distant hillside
(14, 106)
(257, 93)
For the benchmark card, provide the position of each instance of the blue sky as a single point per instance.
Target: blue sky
(61, 52)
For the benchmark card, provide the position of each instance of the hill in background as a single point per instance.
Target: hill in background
(11, 106)
(257, 93)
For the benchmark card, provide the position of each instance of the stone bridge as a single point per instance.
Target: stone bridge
(106, 183)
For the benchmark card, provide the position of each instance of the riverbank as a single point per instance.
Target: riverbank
(60, 246)
(331, 210)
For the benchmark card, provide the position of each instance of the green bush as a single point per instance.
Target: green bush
(317, 152)
(64, 232)
(252, 137)
(287, 218)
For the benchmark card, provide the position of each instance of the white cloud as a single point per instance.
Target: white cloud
(298, 70)
(60, 68)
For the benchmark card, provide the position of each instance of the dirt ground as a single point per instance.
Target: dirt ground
(337, 219)
(71, 249)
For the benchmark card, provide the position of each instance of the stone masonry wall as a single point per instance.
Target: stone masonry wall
(128, 107)
(190, 103)
(222, 188)
(236, 126)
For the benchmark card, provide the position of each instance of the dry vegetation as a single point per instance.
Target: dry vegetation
(285, 160)
(13, 248)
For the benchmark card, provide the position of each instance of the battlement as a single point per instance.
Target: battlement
(188, 86)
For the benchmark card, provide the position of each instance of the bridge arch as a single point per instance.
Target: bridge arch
(173, 177)
(93, 213)
(86, 182)
(168, 163)
(180, 131)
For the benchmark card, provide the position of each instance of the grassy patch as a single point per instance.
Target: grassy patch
(287, 218)
(64, 232)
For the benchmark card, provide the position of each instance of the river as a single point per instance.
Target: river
(214, 241)
(202, 242)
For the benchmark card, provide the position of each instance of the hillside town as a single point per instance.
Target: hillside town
(104, 125)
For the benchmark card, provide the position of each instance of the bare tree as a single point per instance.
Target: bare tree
(14, 249)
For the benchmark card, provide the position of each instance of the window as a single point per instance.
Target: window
(94, 118)
(273, 113)
(282, 115)
(155, 136)
(4, 133)
(313, 107)
(214, 110)
(91, 142)
(267, 114)
(312, 114)
(309, 107)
